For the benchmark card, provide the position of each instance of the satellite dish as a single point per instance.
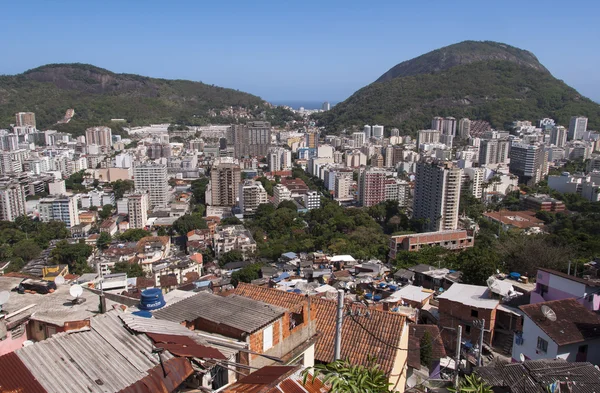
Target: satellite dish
(522, 357)
(4, 295)
(59, 280)
(548, 313)
(76, 291)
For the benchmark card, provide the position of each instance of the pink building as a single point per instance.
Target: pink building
(554, 285)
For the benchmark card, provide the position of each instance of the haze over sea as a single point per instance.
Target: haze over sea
(305, 104)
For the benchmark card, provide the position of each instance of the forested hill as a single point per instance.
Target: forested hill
(98, 95)
(480, 80)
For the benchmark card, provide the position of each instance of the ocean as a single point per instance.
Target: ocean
(305, 104)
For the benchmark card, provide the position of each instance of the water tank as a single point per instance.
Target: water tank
(142, 313)
(152, 299)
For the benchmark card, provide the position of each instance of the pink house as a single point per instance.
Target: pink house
(554, 285)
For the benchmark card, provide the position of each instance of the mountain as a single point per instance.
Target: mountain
(479, 80)
(98, 95)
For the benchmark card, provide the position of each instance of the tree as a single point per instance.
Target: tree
(106, 211)
(199, 190)
(426, 345)
(345, 377)
(231, 256)
(189, 222)
(287, 205)
(103, 240)
(133, 235)
(74, 255)
(131, 269)
(477, 265)
(26, 250)
(120, 187)
(472, 384)
(161, 231)
(233, 220)
(246, 274)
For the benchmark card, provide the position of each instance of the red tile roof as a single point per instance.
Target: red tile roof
(574, 323)
(415, 334)
(378, 335)
(16, 377)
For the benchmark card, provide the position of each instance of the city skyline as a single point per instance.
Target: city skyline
(312, 52)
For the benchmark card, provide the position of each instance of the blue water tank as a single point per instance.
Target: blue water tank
(368, 295)
(142, 313)
(152, 299)
(377, 298)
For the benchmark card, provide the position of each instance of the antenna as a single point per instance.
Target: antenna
(548, 313)
(76, 291)
(59, 280)
(521, 357)
(4, 296)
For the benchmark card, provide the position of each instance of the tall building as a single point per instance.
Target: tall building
(280, 159)
(152, 177)
(312, 139)
(61, 208)
(377, 132)
(156, 150)
(493, 151)
(12, 201)
(359, 139)
(577, 127)
(437, 123)
(101, 136)
(252, 194)
(367, 131)
(371, 187)
(225, 177)
(137, 208)
(428, 136)
(558, 136)
(342, 186)
(326, 106)
(312, 200)
(437, 195)
(25, 119)
(397, 190)
(476, 178)
(528, 162)
(449, 126)
(252, 139)
(281, 193)
(464, 128)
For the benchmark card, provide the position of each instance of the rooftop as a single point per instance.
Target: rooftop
(574, 323)
(590, 282)
(415, 334)
(470, 295)
(234, 311)
(410, 292)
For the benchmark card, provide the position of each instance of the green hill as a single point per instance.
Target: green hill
(480, 80)
(98, 95)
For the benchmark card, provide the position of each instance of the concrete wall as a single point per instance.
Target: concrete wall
(562, 288)
(531, 332)
(10, 344)
(399, 372)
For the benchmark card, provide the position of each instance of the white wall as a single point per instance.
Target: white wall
(531, 332)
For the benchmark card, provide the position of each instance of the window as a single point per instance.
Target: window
(296, 319)
(468, 329)
(542, 345)
(474, 313)
(267, 338)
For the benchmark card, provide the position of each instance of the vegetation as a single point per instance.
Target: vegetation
(246, 274)
(99, 95)
(498, 91)
(426, 347)
(345, 377)
(74, 182)
(131, 269)
(75, 255)
(121, 187)
(472, 384)
(103, 241)
(189, 222)
(106, 212)
(199, 190)
(133, 235)
(231, 256)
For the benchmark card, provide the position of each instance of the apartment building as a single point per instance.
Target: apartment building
(101, 136)
(528, 162)
(23, 119)
(371, 187)
(60, 208)
(152, 177)
(281, 193)
(252, 139)
(233, 238)
(225, 177)
(252, 194)
(312, 200)
(12, 201)
(137, 209)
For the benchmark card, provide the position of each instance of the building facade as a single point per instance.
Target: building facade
(371, 187)
(101, 136)
(225, 177)
(252, 139)
(137, 209)
(153, 179)
(12, 202)
(528, 162)
(61, 208)
(252, 194)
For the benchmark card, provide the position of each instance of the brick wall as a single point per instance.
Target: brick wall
(453, 314)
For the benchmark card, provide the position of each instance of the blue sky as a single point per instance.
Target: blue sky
(301, 50)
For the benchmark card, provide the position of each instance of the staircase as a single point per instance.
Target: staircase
(503, 343)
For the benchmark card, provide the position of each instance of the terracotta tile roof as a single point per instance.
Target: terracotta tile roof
(197, 257)
(574, 323)
(357, 344)
(415, 334)
(277, 379)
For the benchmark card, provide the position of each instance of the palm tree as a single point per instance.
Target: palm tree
(472, 384)
(343, 377)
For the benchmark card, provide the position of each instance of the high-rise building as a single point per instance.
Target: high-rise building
(101, 136)
(61, 208)
(449, 126)
(252, 139)
(437, 195)
(12, 201)
(281, 193)
(342, 186)
(312, 200)
(528, 162)
(137, 208)
(152, 177)
(225, 178)
(312, 139)
(397, 190)
(464, 128)
(395, 132)
(558, 136)
(252, 194)
(371, 187)
(280, 159)
(359, 139)
(493, 151)
(476, 178)
(156, 150)
(428, 136)
(437, 123)
(577, 127)
(326, 106)
(377, 132)
(367, 130)
(25, 119)
(377, 160)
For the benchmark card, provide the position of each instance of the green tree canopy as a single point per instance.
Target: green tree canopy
(131, 269)
(75, 255)
(133, 235)
(426, 346)
(103, 241)
(246, 274)
(189, 222)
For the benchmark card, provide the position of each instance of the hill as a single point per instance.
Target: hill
(480, 80)
(98, 95)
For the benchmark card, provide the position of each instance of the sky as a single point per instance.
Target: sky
(292, 50)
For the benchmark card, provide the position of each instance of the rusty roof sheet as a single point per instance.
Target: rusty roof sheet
(184, 346)
(15, 377)
(277, 379)
(176, 371)
(362, 337)
(267, 375)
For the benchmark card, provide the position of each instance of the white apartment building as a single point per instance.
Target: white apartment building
(97, 198)
(342, 186)
(358, 138)
(477, 178)
(233, 237)
(60, 208)
(153, 178)
(577, 127)
(101, 136)
(397, 190)
(137, 209)
(377, 132)
(57, 187)
(312, 200)
(280, 159)
(252, 194)
(12, 201)
(281, 193)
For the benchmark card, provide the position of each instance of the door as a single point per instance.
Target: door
(582, 353)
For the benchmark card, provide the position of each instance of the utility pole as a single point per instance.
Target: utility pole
(481, 332)
(458, 346)
(338, 326)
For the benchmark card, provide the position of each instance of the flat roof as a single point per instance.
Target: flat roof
(470, 295)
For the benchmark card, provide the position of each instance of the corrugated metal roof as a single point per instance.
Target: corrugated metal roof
(176, 370)
(237, 312)
(15, 377)
(184, 346)
(106, 358)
